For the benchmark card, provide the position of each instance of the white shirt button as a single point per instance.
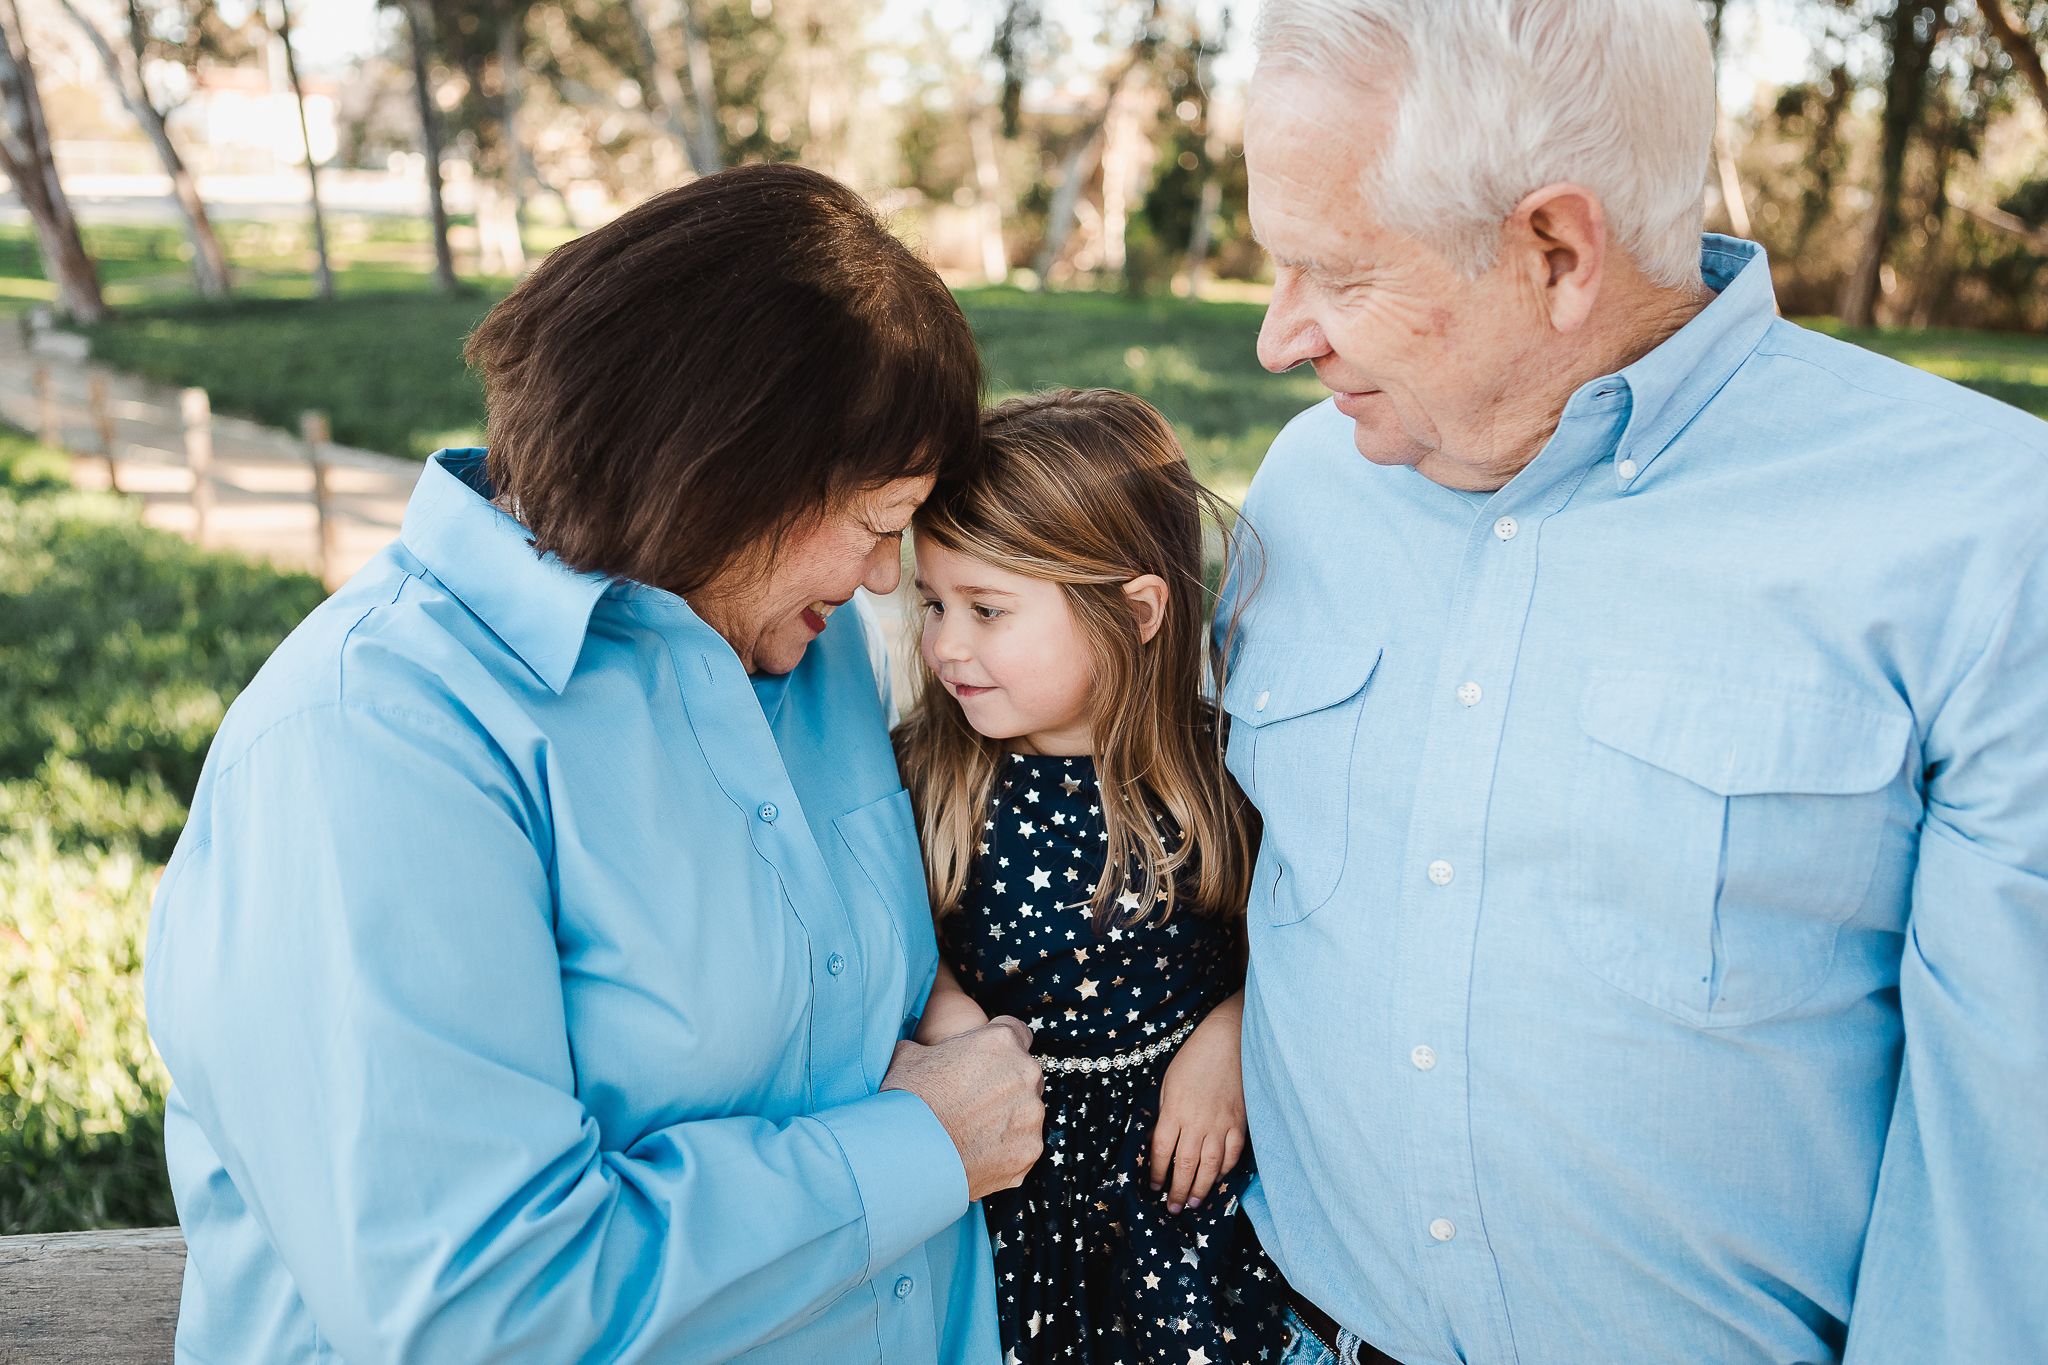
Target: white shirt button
(1469, 693)
(1505, 528)
(1424, 1057)
(1443, 1229)
(1264, 697)
(1440, 872)
(1627, 469)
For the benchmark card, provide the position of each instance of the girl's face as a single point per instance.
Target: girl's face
(1009, 650)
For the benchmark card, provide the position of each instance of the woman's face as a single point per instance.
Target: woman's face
(770, 618)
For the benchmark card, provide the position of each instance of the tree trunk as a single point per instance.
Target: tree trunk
(1910, 34)
(1824, 159)
(1059, 218)
(209, 262)
(323, 278)
(2018, 45)
(669, 94)
(25, 156)
(511, 84)
(1932, 279)
(420, 19)
(988, 192)
(703, 89)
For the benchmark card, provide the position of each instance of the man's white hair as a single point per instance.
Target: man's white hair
(1501, 97)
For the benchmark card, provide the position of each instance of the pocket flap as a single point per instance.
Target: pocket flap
(1736, 740)
(1282, 683)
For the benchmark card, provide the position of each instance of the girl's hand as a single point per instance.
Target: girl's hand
(950, 1010)
(1201, 1129)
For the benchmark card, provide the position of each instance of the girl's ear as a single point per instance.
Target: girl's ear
(1147, 596)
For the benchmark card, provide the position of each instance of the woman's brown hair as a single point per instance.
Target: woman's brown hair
(671, 392)
(1090, 490)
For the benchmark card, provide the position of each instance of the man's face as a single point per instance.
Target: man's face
(1423, 360)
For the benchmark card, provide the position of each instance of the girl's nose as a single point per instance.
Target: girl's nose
(948, 645)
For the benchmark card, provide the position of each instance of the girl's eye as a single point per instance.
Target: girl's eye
(987, 613)
(932, 604)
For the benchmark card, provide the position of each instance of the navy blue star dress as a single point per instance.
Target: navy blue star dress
(1091, 1269)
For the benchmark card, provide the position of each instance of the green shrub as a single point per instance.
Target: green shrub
(81, 1090)
(120, 649)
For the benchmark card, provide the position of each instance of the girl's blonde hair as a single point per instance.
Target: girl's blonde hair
(1090, 490)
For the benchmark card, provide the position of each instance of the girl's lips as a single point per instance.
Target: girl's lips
(963, 691)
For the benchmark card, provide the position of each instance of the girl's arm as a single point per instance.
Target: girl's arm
(951, 1010)
(1201, 1129)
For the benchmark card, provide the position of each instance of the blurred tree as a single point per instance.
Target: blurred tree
(421, 25)
(323, 275)
(1909, 30)
(692, 120)
(125, 70)
(26, 158)
(1084, 155)
(2020, 45)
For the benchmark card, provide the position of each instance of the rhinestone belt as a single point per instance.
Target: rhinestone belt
(1137, 1056)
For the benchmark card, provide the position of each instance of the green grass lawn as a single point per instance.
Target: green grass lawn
(384, 359)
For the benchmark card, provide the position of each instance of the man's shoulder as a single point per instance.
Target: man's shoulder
(1312, 448)
(1852, 388)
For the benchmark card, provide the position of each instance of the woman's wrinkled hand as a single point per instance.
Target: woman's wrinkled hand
(985, 1087)
(1201, 1130)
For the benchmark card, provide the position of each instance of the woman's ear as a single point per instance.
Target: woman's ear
(1147, 596)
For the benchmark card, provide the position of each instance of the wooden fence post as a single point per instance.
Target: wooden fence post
(50, 431)
(313, 427)
(103, 419)
(198, 413)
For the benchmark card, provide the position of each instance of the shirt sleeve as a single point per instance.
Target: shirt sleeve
(356, 987)
(1958, 1235)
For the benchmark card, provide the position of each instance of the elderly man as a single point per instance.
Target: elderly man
(1651, 730)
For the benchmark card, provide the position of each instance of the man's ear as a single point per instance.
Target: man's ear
(1147, 595)
(1557, 238)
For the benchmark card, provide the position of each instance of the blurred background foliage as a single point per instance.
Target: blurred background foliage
(120, 649)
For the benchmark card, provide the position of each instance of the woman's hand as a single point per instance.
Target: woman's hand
(949, 1011)
(1201, 1129)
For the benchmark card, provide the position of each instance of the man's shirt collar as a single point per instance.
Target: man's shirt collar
(1668, 387)
(537, 605)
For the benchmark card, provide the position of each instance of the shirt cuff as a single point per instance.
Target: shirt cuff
(905, 1167)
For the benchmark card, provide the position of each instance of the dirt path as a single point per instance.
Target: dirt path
(263, 486)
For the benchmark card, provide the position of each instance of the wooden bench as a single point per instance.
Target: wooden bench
(90, 1298)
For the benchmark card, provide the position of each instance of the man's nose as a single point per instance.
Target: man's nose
(1289, 336)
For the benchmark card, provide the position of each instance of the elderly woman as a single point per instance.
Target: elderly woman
(533, 969)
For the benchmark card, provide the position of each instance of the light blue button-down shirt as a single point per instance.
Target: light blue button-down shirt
(1650, 937)
(526, 975)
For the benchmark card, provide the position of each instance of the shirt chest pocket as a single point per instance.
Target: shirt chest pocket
(1721, 834)
(882, 837)
(1294, 717)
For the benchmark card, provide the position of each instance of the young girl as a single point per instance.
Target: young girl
(1089, 859)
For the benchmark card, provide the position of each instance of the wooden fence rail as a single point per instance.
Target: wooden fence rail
(90, 1298)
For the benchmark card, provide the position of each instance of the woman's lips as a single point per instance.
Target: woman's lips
(815, 614)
